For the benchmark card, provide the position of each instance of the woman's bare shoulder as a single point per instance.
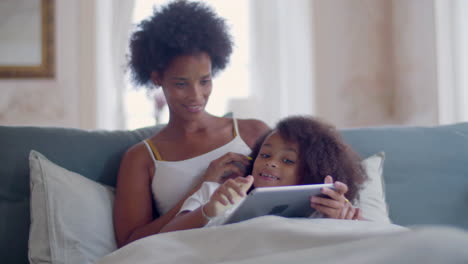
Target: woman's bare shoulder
(137, 151)
(253, 123)
(251, 129)
(136, 158)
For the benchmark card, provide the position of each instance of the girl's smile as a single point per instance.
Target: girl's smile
(277, 163)
(266, 176)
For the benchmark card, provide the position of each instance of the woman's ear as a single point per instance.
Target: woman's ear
(156, 79)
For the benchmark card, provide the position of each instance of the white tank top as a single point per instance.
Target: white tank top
(173, 179)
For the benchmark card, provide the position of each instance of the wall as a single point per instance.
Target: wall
(58, 101)
(375, 62)
(42, 101)
(415, 65)
(354, 62)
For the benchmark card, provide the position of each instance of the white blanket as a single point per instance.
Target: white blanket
(272, 239)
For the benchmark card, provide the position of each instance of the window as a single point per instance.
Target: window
(232, 83)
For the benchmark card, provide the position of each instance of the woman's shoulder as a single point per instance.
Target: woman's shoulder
(137, 154)
(253, 124)
(136, 165)
(251, 129)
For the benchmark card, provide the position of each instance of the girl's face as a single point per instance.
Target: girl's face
(277, 163)
(186, 84)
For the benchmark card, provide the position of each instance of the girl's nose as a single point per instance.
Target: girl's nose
(272, 164)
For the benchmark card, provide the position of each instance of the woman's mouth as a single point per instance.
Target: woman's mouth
(194, 108)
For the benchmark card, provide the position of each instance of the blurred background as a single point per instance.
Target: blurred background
(352, 62)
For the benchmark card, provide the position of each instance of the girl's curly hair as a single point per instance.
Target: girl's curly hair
(322, 152)
(179, 28)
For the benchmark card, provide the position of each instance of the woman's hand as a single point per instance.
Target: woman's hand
(227, 195)
(230, 165)
(337, 206)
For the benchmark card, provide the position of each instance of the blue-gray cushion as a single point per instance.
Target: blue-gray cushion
(426, 171)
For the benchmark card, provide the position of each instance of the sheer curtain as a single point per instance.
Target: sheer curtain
(113, 22)
(282, 59)
(452, 59)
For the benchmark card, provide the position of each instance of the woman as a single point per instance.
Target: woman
(180, 48)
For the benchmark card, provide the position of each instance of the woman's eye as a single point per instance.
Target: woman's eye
(180, 84)
(205, 82)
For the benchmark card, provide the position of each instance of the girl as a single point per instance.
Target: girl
(300, 150)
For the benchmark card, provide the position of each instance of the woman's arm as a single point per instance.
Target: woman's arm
(133, 205)
(186, 220)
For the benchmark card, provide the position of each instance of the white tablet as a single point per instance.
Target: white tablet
(287, 201)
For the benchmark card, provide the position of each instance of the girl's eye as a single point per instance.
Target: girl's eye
(288, 161)
(265, 156)
(180, 84)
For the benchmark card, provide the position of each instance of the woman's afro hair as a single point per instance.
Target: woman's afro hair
(179, 28)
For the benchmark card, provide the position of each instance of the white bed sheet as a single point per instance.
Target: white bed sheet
(272, 239)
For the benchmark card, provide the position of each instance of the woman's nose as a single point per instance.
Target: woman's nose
(196, 91)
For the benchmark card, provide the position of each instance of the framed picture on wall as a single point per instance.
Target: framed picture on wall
(27, 44)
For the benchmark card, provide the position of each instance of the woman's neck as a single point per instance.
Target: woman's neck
(189, 126)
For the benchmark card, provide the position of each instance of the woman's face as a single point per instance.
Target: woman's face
(277, 163)
(186, 84)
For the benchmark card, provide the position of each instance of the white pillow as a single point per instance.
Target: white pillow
(372, 196)
(71, 216)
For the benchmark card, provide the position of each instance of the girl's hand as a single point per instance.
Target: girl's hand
(230, 165)
(336, 206)
(227, 195)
